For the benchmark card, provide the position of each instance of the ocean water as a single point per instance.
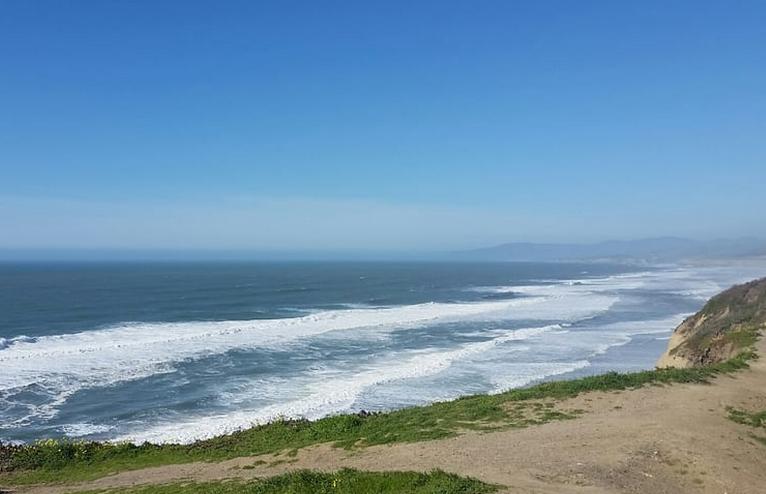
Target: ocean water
(173, 352)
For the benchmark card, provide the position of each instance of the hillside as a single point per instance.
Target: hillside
(728, 323)
(653, 249)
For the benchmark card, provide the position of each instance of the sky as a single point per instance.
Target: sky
(378, 125)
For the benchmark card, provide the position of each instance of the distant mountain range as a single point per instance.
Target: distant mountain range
(643, 250)
(651, 249)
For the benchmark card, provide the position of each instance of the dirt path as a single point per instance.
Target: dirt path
(653, 440)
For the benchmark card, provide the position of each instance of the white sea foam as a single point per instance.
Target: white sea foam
(85, 429)
(597, 341)
(60, 365)
(645, 326)
(516, 375)
(690, 282)
(6, 342)
(335, 394)
(560, 288)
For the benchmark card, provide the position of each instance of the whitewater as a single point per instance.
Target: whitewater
(186, 352)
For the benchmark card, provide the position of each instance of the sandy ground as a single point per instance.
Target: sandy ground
(672, 439)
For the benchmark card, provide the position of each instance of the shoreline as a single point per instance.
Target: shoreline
(520, 409)
(658, 423)
(384, 385)
(603, 361)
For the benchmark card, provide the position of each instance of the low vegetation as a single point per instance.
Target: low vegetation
(757, 420)
(52, 460)
(753, 419)
(342, 482)
(728, 323)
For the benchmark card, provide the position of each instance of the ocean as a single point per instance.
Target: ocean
(174, 352)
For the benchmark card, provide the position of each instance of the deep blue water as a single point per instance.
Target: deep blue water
(178, 351)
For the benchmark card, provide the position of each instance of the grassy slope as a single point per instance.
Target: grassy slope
(342, 482)
(68, 461)
(728, 322)
(756, 420)
(753, 419)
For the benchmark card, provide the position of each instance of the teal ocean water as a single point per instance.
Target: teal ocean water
(180, 351)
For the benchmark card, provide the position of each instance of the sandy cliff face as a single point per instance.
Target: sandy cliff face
(671, 360)
(723, 328)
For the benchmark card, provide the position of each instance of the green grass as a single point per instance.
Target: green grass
(756, 420)
(58, 461)
(753, 419)
(341, 482)
(742, 337)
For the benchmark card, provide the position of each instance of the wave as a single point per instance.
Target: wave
(60, 365)
(598, 340)
(335, 392)
(6, 342)
(127, 348)
(692, 283)
(52, 368)
(646, 326)
(516, 375)
(589, 343)
(85, 429)
(628, 281)
(334, 395)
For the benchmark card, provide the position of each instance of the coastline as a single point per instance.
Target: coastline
(669, 414)
(558, 409)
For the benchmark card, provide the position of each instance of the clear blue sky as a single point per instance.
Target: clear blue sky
(401, 125)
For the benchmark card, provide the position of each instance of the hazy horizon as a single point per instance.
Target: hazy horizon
(732, 247)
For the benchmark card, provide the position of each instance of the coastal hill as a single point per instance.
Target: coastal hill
(655, 249)
(728, 323)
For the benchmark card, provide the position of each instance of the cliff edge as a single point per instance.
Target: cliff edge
(727, 325)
